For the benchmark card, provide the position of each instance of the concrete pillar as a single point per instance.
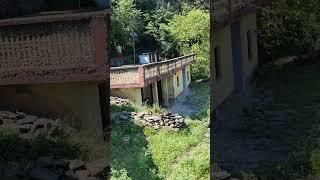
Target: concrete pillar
(165, 93)
(155, 93)
(184, 80)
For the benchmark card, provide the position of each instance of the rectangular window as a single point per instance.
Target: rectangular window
(249, 44)
(217, 62)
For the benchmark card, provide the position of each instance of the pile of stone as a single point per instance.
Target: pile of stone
(47, 168)
(165, 120)
(29, 126)
(119, 101)
(219, 174)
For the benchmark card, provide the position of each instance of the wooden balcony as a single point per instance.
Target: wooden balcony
(138, 76)
(54, 47)
(227, 11)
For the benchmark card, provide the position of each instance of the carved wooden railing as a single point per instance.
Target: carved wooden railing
(227, 10)
(54, 47)
(142, 75)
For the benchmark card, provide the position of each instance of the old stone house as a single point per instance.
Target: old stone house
(234, 49)
(152, 83)
(55, 63)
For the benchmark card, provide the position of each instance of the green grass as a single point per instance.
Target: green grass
(294, 88)
(151, 154)
(196, 166)
(166, 146)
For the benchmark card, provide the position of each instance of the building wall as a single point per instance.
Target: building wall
(224, 86)
(249, 23)
(133, 94)
(77, 104)
(178, 86)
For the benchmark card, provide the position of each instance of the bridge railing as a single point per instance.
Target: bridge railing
(142, 75)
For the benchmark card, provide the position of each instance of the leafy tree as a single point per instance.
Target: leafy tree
(125, 18)
(191, 32)
(289, 28)
(156, 21)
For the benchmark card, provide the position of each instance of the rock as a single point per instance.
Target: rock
(25, 128)
(40, 132)
(21, 113)
(222, 175)
(70, 175)
(39, 123)
(43, 174)
(124, 117)
(141, 115)
(83, 174)
(127, 113)
(125, 140)
(155, 118)
(9, 115)
(172, 125)
(26, 136)
(27, 120)
(53, 131)
(76, 164)
(97, 168)
(156, 127)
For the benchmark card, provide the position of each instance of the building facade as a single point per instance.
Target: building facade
(152, 83)
(56, 64)
(234, 47)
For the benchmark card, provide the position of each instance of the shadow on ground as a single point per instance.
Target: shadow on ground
(271, 134)
(130, 155)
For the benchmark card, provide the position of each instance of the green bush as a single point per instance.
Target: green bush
(289, 28)
(315, 161)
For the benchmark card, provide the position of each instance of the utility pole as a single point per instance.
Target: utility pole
(134, 35)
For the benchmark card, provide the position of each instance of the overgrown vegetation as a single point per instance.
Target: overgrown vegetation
(289, 28)
(172, 28)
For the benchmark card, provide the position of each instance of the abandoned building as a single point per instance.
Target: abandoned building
(234, 48)
(157, 82)
(55, 63)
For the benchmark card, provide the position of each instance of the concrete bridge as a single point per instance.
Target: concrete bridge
(159, 82)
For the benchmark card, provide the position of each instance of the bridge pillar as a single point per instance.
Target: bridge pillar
(165, 92)
(155, 95)
(184, 80)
